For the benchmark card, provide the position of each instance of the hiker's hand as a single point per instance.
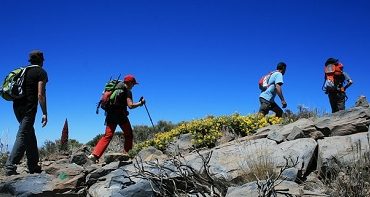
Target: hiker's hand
(44, 120)
(284, 104)
(142, 101)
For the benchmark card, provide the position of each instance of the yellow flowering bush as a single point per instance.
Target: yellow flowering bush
(205, 132)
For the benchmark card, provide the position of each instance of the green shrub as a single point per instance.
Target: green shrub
(52, 148)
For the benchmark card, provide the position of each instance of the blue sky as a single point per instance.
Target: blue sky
(192, 58)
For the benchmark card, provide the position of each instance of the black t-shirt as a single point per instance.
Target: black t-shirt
(33, 76)
(341, 80)
(28, 104)
(118, 113)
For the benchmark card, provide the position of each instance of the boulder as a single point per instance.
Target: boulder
(233, 162)
(181, 145)
(111, 184)
(362, 102)
(150, 154)
(112, 157)
(27, 185)
(295, 134)
(341, 150)
(345, 122)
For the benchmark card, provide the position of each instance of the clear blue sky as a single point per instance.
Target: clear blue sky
(192, 58)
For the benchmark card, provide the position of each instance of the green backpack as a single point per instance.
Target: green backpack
(111, 90)
(12, 87)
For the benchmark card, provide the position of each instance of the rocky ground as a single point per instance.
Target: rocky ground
(299, 153)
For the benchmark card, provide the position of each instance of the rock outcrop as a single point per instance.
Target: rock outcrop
(305, 148)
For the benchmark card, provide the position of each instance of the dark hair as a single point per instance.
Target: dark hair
(36, 57)
(331, 61)
(281, 66)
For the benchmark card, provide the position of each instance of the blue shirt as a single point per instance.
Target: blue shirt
(270, 93)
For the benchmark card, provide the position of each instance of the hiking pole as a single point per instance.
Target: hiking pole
(150, 118)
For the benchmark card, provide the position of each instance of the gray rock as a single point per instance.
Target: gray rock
(181, 145)
(112, 157)
(266, 130)
(306, 125)
(295, 134)
(290, 174)
(228, 135)
(151, 154)
(26, 185)
(341, 150)
(140, 189)
(362, 102)
(92, 177)
(276, 136)
(345, 122)
(317, 135)
(111, 184)
(232, 162)
(314, 184)
(79, 158)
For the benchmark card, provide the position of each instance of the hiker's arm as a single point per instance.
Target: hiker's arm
(279, 92)
(348, 80)
(132, 105)
(349, 83)
(42, 101)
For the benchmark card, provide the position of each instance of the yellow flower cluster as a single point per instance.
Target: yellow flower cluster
(205, 132)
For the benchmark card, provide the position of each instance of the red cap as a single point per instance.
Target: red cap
(130, 78)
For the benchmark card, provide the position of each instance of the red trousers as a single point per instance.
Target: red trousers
(107, 137)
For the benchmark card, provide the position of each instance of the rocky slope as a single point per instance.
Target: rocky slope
(305, 150)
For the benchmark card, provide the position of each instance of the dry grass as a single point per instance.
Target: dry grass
(351, 178)
(3, 154)
(260, 166)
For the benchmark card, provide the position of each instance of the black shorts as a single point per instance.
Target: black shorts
(266, 106)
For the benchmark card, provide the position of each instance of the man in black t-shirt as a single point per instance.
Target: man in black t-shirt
(25, 110)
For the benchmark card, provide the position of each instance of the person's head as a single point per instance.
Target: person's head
(281, 66)
(331, 61)
(36, 57)
(130, 81)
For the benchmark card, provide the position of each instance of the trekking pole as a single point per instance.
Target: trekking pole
(150, 118)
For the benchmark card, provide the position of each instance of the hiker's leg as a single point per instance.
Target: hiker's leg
(127, 133)
(104, 140)
(333, 102)
(278, 111)
(341, 101)
(19, 146)
(32, 152)
(264, 106)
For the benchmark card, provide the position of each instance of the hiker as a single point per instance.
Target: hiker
(25, 110)
(117, 114)
(336, 83)
(267, 96)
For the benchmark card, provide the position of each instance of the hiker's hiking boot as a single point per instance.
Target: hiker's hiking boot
(36, 170)
(11, 172)
(92, 158)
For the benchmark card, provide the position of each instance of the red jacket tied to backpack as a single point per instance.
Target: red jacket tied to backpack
(263, 83)
(333, 76)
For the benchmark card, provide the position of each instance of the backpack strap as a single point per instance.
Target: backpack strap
(269, 76)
